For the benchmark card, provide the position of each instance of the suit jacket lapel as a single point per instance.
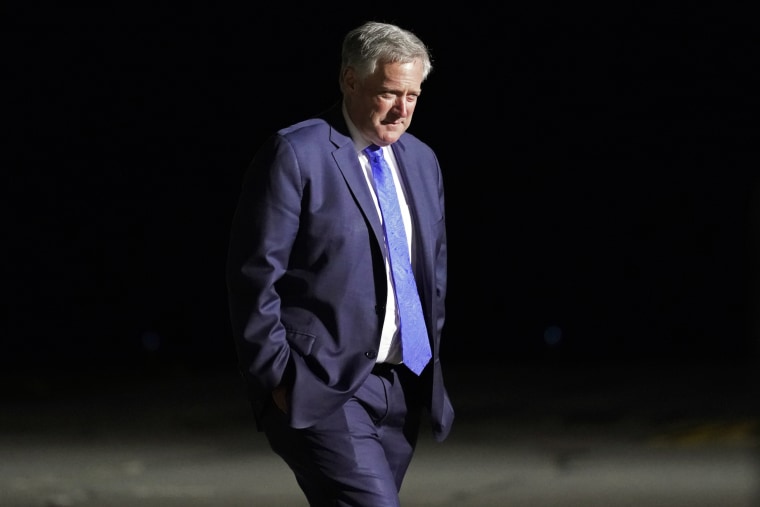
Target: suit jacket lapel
(421, 249)
(348, 163)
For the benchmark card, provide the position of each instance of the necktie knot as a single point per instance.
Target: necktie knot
(373, 152)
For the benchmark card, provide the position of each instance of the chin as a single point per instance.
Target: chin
(392, 135)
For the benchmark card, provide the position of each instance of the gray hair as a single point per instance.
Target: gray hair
(373, 42)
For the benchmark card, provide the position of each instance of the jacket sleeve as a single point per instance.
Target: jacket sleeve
(262, 234)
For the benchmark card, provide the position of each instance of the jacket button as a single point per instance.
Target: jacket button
(370, 354)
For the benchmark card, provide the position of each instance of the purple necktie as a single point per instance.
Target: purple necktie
(415, 345)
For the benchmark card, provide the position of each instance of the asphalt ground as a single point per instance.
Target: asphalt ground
(525, 435)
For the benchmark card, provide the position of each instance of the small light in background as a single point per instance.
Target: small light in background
(151, 341)
(552, 335)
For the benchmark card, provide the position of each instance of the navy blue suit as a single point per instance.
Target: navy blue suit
(306, 273)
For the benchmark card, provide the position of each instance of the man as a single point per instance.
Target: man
(313, 291)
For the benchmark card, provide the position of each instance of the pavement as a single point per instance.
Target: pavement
(537, 435)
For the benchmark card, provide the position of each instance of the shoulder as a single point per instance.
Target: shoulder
(313, 127)
(410, 145)
(308, 140)
(305, 136)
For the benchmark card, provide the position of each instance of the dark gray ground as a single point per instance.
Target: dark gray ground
(538, 436)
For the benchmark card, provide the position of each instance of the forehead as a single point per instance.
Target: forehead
(397, 74)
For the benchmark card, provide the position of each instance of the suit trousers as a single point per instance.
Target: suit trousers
(358, 456)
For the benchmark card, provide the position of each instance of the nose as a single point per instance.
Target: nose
(402, 106)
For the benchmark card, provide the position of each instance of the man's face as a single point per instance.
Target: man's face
(382, 105)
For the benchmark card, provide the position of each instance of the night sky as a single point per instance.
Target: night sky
(600, 169)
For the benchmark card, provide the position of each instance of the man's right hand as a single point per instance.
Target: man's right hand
(280, 397)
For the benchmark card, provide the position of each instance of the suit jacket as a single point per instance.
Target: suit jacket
(306, 275)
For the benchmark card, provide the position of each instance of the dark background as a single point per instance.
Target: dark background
(600, 167)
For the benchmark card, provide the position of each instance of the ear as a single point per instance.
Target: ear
(349, 79)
